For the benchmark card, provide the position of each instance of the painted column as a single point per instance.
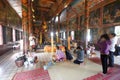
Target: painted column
(86, 22)
(67, 28)
(1, 35)
(40, 37)
(30, 16)
(52, 35)
(58, 37)
(25, 25)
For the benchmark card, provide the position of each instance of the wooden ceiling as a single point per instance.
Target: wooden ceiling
(43, 9)
(16, 5)
(47, 9)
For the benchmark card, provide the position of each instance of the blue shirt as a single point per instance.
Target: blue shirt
(80, 55)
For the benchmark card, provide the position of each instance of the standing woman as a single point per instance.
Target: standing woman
(104, 45)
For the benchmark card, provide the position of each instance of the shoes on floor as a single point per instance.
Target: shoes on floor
(45, 67)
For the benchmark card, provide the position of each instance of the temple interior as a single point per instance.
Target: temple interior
(59, 39)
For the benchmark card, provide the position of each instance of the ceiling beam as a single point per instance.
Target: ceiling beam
(44, 8)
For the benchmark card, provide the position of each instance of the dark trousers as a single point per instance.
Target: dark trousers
(111, 59)
(104, 59)
(77, 62)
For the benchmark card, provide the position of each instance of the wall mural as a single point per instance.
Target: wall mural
(94, 18)
(109, 30)
(82, 21)
(73, 23)
(93, 33)
(77, 35)
(111, 12)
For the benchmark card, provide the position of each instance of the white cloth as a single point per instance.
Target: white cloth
(113, 43)
(31, 40)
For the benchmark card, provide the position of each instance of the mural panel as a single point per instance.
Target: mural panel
(94, 18)
(94, 34)
(73, 23)
(111, 13)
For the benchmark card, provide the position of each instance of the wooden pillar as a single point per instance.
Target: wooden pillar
(40, 37)
(86, 22)
(67, 28)
(30, 16)
(52, 35)
(58, 37)
(25, 25)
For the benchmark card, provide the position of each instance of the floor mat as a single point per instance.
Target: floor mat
(37, 74)
(113, 73)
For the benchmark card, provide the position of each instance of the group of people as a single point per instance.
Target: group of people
(61, 56)
(107, 43)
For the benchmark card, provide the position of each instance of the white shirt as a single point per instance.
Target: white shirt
(31, 40)
(118, 42)
(113, 43)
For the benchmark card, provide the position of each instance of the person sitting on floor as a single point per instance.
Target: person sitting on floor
(60, 56)
(80, 55)
(68, 54)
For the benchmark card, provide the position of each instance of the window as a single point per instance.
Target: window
(1, 36)
(117, 30)
(88, 35)
(72, 35)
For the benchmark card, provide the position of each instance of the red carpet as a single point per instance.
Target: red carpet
(37, 74)
(113, 73)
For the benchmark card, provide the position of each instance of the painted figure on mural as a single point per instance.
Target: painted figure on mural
(94, 18)
(111, 13)
(107, 18)
(117, 15)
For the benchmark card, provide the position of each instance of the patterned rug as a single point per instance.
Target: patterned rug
(113, 73)
(37, 74)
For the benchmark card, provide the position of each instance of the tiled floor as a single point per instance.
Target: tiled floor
(59, 71)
